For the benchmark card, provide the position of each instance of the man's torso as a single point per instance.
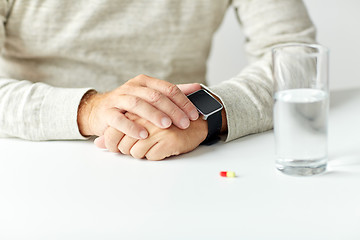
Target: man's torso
(102, 43)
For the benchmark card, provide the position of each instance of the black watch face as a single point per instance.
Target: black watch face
(204, 102)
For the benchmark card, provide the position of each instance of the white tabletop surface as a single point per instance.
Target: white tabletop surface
(72, 190)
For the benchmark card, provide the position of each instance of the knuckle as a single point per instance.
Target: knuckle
(141, 76)
(130, 81)
(186, 105)
(174, 112)
(125, 87)
(133, 102)
(172, 90)
(155, 96)
(131, 127)
(116, 119)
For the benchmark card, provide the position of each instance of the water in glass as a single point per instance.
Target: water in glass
(300, 126)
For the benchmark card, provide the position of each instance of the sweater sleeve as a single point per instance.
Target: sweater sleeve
(247, 97)
(36, 111)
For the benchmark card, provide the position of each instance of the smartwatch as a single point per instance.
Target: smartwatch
(210, 109)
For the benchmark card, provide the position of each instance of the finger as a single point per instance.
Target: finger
(120, 122)
(157, 152)
(131, 116)
(100, 142)
(173, 92)
(140, 148)
(164, 104)
(112, 139)
(189, 88)
(126, 144)
(143, 109)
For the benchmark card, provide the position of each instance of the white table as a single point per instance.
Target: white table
(72, 190)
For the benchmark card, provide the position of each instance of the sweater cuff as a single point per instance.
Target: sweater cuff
(58, 115)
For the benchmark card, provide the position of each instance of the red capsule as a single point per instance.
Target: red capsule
(223, 173)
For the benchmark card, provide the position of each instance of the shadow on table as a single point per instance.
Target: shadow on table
(344, 164)
(340, 97)
(345, 159)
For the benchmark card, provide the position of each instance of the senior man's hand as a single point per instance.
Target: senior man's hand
(160, 144)
(157, 101)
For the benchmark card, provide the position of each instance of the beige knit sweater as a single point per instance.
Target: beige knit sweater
(53, 51)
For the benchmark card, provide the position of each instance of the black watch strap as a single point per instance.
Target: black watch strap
(214, 126)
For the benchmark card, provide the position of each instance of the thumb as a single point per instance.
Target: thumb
(189, 88)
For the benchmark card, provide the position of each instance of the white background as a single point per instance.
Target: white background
(338, 28)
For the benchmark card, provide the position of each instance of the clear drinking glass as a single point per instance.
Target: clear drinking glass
(301, 108)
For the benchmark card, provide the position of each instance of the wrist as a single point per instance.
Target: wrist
(210, 108)
(201, 129)
(223, 116)
(84, 112)
(224, 127)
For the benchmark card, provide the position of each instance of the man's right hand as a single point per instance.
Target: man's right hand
(157, 101)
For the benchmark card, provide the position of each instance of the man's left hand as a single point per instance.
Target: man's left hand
(160, 144)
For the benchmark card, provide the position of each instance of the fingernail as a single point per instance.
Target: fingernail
(144, 134)
(194, 115)
(165, 122)
(185, 123)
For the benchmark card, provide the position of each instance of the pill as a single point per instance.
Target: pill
(223, 173)
(230, 174)
(227, 174)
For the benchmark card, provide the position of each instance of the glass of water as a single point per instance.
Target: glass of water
(301, 107)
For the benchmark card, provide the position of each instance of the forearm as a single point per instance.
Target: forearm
(37, 111)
